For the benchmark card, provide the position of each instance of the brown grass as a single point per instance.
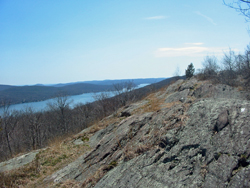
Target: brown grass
(131, 150)
(59, 153)
(154, 104)
(91, 181)
(240, 88)
(20, 177)
(69, 184)
(204, 170)
(46, 162)
(104, 123)
(142, 148)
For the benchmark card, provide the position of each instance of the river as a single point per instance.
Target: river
(43, 105)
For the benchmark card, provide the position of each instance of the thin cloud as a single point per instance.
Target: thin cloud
(206, 17)
(196, 43)
(192, 51)
(175, 52)
(156, 18)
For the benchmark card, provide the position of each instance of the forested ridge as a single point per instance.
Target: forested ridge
(24, 94)
(21, 94)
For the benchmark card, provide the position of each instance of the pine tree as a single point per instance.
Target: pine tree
(190, 70)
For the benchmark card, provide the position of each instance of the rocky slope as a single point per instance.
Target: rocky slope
(192, 134)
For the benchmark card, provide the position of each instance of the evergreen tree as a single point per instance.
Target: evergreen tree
(190, 70)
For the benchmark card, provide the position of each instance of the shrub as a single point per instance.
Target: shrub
(210, 66)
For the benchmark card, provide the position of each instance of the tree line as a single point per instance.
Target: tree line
(233, 69)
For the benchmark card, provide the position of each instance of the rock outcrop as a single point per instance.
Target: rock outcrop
(18, 162)
(192, 134)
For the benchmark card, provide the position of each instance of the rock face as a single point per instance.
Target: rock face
(193, 134)
(18, 161)
(198, 154)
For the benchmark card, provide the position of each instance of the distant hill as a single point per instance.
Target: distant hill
(23, 94)
(3, 87)
(136, 81)
(111, 82)
(80, 88)
(39, 92)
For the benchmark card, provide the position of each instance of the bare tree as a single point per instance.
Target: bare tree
(239, 63)
(177, 72)
(103, 104)
(246, 67)
(124, 92)
(210, 66)
(228, 73)
(9, 122)
(229, 61)
(60, 106)
(33, 127)
(247, 58)
(82, 115)
(241, 6)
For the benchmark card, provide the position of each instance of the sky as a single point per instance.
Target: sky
(63, 41)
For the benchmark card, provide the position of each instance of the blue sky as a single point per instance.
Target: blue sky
(61, 41)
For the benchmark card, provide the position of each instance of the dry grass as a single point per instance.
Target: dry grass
(156, 102)
(69, 184)
(204, 171)
(20, 177)
(104, 123)
(59, 153)
(240, 88)
(142, 148)
(46, 162)
(91, 181)
(131, 150)
(171, 104)
(153, 105)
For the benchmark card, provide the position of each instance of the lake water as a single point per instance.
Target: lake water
(43, 105)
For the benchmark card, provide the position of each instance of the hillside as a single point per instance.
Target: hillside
(136, 81)
(39, 92)
(3, 87)
(23, 94)
(189, 134)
